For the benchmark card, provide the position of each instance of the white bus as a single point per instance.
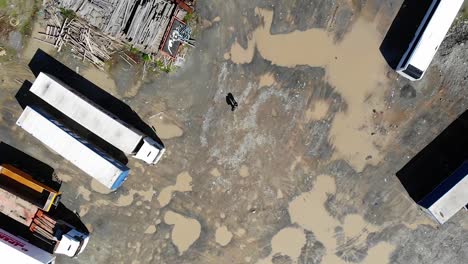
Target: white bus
(431, 32)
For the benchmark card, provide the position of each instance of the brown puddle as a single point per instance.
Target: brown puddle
(98, 187)
(185, 231)
(223, 236)
(127, 199)
(317, 111)
(244, 171)
(266, 80)
(183, 184)
(215, 172)
(101, 79)
(288, 241)
(376, 254)
(85, 193)
(354, 66)
(308, 212)
(165, 128)
(151, 229)
(64, 177)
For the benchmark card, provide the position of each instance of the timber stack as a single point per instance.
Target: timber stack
(86, 43)
(141, 23)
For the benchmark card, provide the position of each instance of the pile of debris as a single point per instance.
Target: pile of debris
(141, 23)
(85, 42)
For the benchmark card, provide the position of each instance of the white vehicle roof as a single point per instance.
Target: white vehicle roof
(78, 151)
(449, 197)
(151, 151)
(83, 111)
(16, 250)
(72, 243)
(434, 33)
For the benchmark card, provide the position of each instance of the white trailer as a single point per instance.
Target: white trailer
(108, 171)
(448, 197)
(430, 33)
(97, 120)
(16, 250)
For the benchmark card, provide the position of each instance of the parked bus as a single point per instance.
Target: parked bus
(430, 33)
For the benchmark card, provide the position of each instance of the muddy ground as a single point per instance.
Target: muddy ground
(302, 172)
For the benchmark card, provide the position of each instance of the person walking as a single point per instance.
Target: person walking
(231, 101)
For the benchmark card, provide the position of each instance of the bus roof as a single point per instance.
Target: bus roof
(434, 33)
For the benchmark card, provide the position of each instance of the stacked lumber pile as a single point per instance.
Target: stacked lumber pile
(86, 43)
(142, 23)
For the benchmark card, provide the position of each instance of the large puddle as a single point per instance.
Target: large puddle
(354, 67)
(185, 231)
(309, 213)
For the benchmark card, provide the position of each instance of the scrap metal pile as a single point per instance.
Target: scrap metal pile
(141, 23)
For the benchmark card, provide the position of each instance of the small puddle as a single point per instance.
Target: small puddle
(223, 236)
(166, 128)
(85, 193)
(101, 79)
(151, 229)
(185, 231)
(381, 251)
(244, 171)
(215, 172)
(266, 80)
(98, 187)
(317, 111)
(183, 184)
(64, 177)
(288, 241)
